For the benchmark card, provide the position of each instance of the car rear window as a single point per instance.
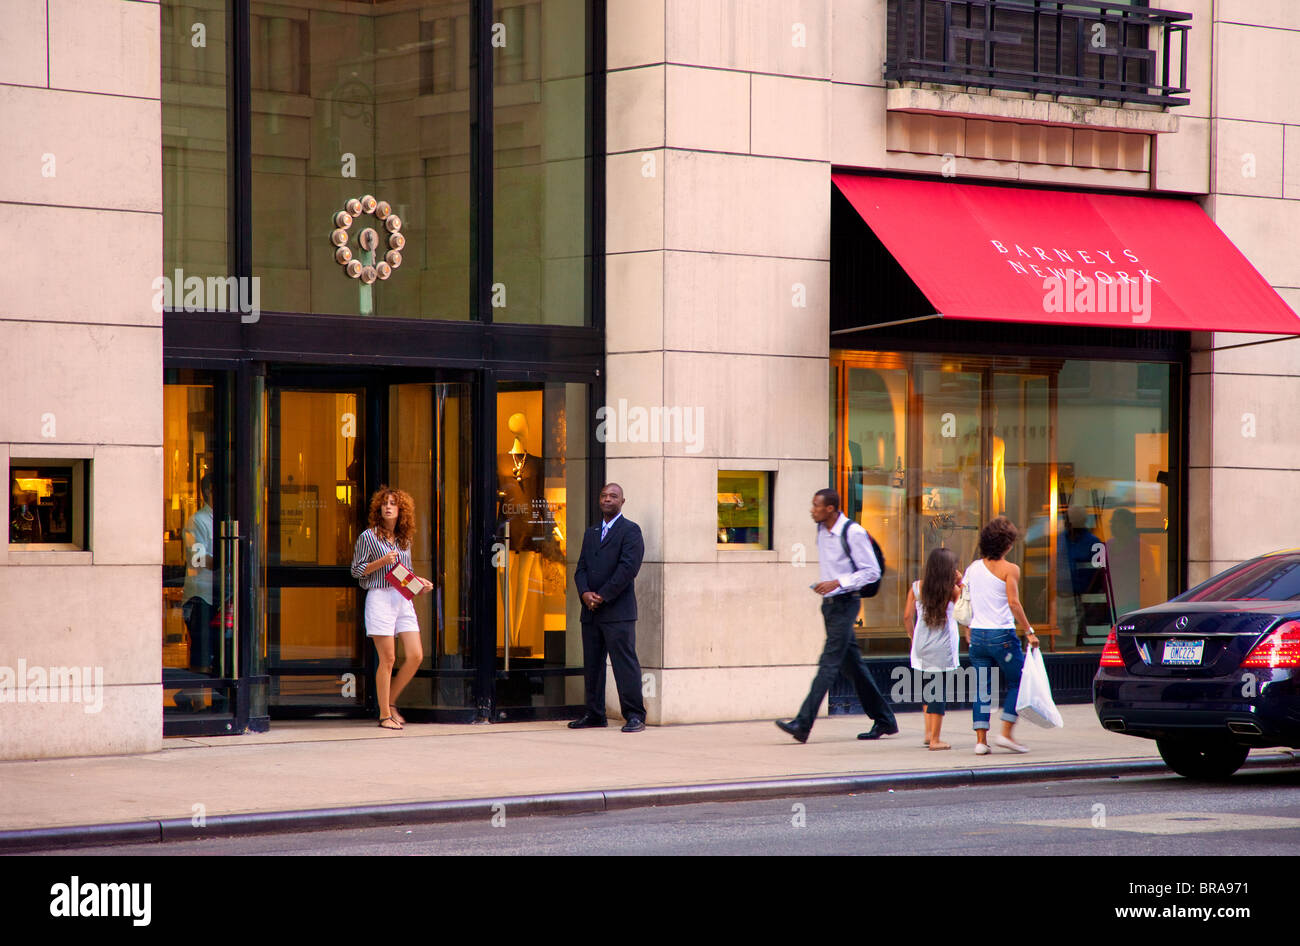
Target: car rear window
(1276, 578)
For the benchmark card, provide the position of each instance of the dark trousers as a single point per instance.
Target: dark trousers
(842, 654)
(618, 640)
(203, 642)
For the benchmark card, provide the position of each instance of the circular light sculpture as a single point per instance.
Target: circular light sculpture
(364, 266)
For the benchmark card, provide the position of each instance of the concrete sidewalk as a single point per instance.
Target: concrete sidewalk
(345, 764)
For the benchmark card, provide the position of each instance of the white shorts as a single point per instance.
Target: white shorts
(389, 613)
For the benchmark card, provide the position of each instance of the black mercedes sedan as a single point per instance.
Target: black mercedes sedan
(1212, 673)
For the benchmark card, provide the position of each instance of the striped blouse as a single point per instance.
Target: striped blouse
(369, 548)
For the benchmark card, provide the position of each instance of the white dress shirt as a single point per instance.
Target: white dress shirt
(835, 564)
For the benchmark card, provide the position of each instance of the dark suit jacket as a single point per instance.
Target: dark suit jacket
(609, 569)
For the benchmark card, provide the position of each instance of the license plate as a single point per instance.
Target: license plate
(1183, 653)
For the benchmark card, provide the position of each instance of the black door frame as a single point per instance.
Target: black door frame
(234, 445)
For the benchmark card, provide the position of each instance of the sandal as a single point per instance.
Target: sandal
(388, 719)
(937, 745)
(397, 717)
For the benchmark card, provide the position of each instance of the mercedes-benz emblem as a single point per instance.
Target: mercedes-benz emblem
(1181, 623)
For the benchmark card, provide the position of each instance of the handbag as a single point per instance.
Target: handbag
(405, 581)
(964, 612)
(1035, 700)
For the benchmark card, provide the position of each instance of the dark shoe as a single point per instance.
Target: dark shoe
(789, 727)
(878, 730)
(588, 722)
(635, 724)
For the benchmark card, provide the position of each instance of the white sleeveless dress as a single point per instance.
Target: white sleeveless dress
(933, 649)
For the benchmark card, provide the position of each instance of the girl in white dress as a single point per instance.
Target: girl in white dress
(928, 617)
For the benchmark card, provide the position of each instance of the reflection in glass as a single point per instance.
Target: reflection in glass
(874, 478)
(1074, 452)
(194, 121)
(350, 100)
(541, 226)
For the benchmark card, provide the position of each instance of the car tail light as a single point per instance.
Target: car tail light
(1110, 656)
(1279, 649)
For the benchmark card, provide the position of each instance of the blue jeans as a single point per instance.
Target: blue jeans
(842, 654)
(999, 648)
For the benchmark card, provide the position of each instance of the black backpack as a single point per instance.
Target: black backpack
(871, 589)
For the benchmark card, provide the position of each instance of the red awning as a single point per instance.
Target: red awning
(1010, 254)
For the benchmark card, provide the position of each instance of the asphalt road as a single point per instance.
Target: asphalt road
(1253, 814)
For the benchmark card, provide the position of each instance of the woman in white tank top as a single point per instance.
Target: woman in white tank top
(995, 604)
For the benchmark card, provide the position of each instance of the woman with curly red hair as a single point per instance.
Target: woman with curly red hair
(388, 612)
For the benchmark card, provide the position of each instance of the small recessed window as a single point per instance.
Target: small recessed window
(48, 504)
(744, 509)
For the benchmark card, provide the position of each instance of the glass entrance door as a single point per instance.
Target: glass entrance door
(201, 556)
(430, 456)
(333, 439)
(331, 448)
(315, 511)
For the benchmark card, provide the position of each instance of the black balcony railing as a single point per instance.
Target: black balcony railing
(1088, 48)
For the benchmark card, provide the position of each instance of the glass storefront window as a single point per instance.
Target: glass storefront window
(542, 469)
(541, 219)
(352, 100)
(194, 136)
(744, 509)
(1075, 452)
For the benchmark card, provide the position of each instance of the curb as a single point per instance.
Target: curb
(568, 803)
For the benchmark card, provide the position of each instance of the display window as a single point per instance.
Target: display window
(744, 509)
(927, 448)
(542, 468)
(47, 505)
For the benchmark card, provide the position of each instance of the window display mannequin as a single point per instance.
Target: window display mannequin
(24, 522)
(520, 478)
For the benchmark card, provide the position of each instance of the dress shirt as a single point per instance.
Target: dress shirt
(835, 564)
(606, 526)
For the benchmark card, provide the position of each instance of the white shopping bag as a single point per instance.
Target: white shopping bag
(1035, 700)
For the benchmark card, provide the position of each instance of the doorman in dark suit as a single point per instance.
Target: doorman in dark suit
(607, 566)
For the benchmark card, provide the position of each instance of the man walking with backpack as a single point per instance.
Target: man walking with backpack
(848, 564)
